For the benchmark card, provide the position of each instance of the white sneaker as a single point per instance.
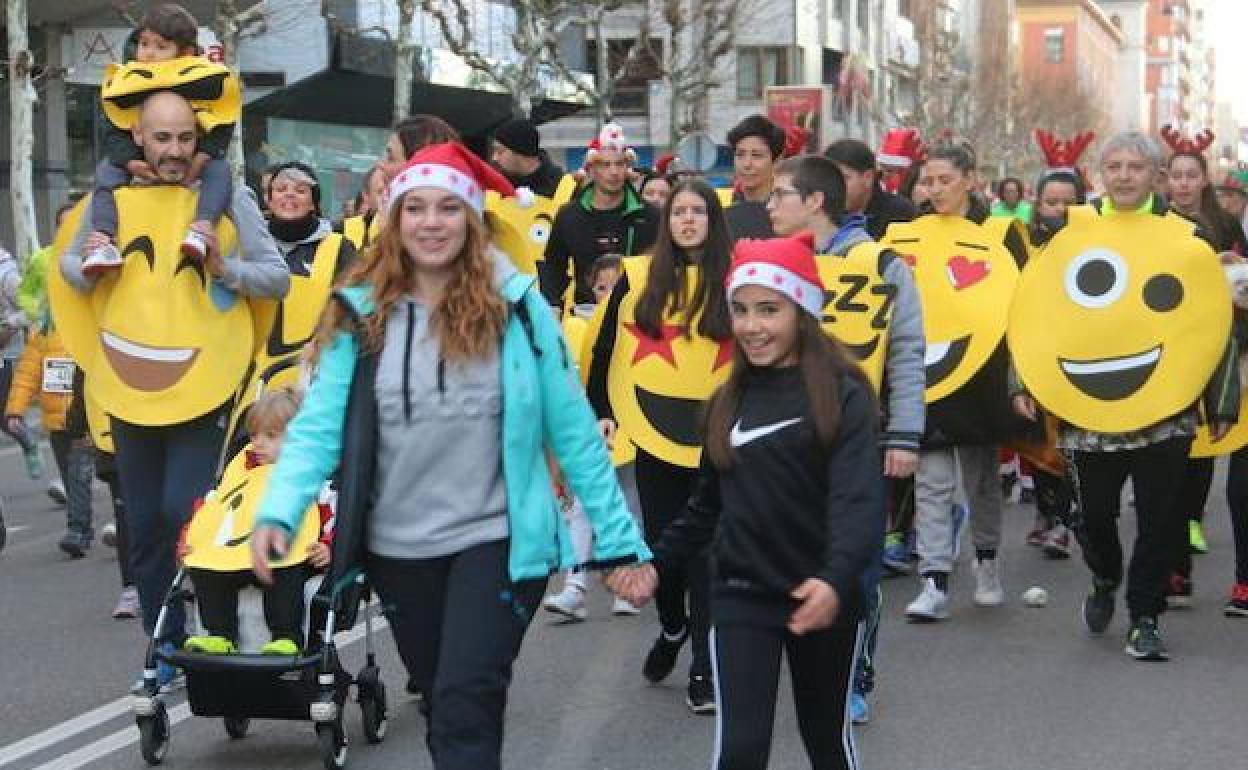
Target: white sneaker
(104, 258)
(988, 590)
(194, 245)
(570, 603)
(108, 535)
(930, 605)
(623, 607)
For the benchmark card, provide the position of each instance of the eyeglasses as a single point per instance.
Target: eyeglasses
(777, 194)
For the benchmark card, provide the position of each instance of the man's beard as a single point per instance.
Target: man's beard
(172, 169)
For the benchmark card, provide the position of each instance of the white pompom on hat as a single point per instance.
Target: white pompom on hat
(609, 139)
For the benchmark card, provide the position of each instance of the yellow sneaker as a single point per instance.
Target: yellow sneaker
(209, 645)
(280, 647)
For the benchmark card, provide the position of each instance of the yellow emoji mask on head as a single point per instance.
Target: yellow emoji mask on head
(521, 230)
(211, 88)
(219, 535)
(965, 277)
(859, 306)
(658, 386)
(1121, 320)
(160, 339)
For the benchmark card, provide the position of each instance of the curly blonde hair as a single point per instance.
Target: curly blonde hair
(469, 317)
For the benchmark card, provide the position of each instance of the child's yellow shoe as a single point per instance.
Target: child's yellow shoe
(280, 647)
(209, 645)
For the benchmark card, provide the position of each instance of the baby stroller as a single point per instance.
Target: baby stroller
(311, 686)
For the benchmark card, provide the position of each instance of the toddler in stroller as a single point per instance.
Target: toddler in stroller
(291, 678)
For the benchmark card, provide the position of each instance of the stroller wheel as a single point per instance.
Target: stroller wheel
(374, 716)
(154, 734)
(236, 727)
(333, 742)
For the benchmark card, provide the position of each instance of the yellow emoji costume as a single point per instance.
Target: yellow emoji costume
(160, 340)
(859, 305)
(657, 386)
(212, 90)
(965, 277)
(219, 533)
(521, 224)
(1121, 321)
(292, 324)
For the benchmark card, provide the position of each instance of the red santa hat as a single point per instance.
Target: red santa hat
(901, 147)
(786, 265)
(452, 167)
(609, 139)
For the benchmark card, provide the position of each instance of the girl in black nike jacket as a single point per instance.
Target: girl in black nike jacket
(789, 498)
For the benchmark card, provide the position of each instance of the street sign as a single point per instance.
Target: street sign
(697, 151)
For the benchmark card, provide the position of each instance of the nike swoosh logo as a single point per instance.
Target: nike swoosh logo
(739, 438)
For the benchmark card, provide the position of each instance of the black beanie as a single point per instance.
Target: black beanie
(520, 136)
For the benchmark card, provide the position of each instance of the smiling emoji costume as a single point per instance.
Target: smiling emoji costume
(1121, 321)
(965, 277)
(160, 340)
(219, 534)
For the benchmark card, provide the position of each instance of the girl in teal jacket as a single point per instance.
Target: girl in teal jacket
(442, 380)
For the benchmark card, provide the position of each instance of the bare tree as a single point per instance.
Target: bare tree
(22, 97)
(232, 26)
(404, 69)
(700, 37)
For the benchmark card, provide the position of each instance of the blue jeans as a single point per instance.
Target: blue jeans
(163, 470)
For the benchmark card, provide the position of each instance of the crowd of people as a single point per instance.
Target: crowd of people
(749, 403)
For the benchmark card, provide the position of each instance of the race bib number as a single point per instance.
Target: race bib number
(58, 375)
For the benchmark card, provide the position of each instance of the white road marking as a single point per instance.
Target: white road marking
(128, 735)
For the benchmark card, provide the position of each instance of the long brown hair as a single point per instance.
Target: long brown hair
(1220, 227)
(823, 363)
(469, 317)
(665, 282)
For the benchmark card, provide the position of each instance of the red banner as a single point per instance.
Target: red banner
(797, 107)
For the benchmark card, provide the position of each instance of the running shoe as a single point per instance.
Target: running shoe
(34, 462)
(1098, 607)
(194, 245)
(1144, 641)
(701, 695)
(624, 608)
(285, 647)
(1196, 537)
(896, 556)
(1036, 537)
(570, 603)
(988, 590)
(1179, 592)
(1057, 543)
(106, 257)
(662, 656)
(211, 645)
(108, 535)
(127, 604)
(931, 605)
(56, 491)
(1237, 607)
(75, 544)
(859, 712)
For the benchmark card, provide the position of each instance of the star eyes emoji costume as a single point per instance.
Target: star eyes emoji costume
(1121, 321)
(656, 385)
(965, 276)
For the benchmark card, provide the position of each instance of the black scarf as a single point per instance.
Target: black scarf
(294, 230)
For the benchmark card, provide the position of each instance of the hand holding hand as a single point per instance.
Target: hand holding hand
(635, 584)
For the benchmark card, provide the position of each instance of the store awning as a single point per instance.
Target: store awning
(358, 89)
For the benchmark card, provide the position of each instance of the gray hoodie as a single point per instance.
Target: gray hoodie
(440, 486)
(904, 378)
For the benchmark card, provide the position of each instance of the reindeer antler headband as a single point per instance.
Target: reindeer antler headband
(1182, 145)
(1063, 153)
